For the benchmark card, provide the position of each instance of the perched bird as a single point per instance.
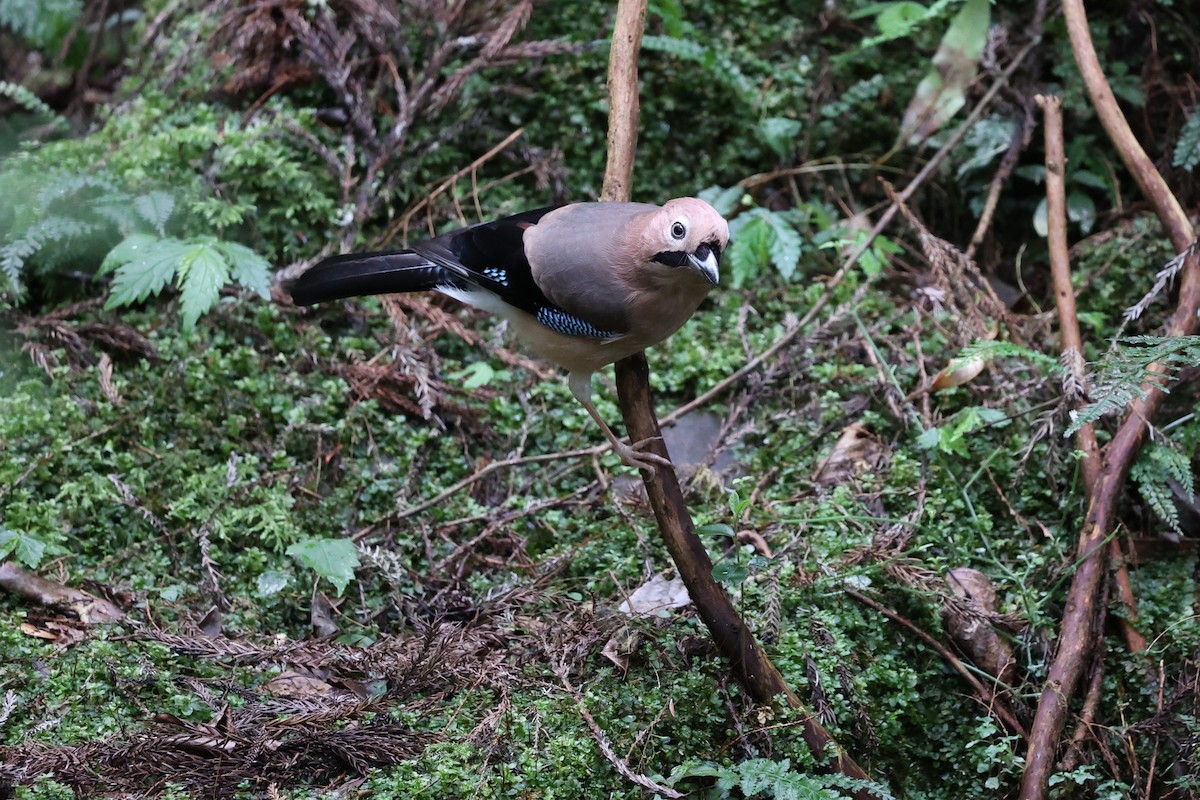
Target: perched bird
(582, 285)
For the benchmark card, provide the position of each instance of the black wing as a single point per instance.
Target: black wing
(492, 256)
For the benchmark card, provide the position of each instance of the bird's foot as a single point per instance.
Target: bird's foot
(634, 455)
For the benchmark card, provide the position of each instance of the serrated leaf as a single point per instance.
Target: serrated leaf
(129, 249)
(785, 245)
(22, 548)
(1187, 146)
(725, 201)
(248, 268)
(1154, 490)
(156, 208)
(202, 273)
(930, 438)
(144, 265)
(896, 19)
(780, 134)
(750, 252)
(333, 559)
(475, 375)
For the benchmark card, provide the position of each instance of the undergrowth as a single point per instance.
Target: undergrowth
(260, 488)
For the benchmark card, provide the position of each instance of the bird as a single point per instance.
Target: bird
(581, 285)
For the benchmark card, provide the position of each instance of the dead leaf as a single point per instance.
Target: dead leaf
(296, 685)
(323, 616)
(987, 648)
(942, 93)
(36, 632)
(621, 645)
(756, 539)
(656, 596)
(89, 608)
(856, 452)
(958, 372)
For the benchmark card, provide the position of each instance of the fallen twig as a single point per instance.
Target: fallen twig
(989, 699)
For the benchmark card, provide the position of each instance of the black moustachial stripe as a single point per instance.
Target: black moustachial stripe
(679, 258)
(672, 258)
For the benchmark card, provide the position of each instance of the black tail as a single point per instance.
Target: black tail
(359, 274)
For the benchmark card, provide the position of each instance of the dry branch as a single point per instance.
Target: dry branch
(1082, 610)
(730, 633)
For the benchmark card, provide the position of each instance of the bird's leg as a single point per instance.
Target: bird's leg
(581, 387)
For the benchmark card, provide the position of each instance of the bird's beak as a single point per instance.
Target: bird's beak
(704, 260)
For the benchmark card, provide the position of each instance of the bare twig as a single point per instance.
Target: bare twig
(605, 745)
(930, 168)
(750, 663)
(1082, 607)
(989, 699)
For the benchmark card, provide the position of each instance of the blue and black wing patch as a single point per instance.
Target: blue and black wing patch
(568, 324)
(492, 256)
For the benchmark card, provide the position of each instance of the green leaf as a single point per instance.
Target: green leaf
(155, 208)
(750, 252)
(785, 245)
(202, 273)
(25, 549)
(942, 93)
(725, 201)
(714, 529)
(272, 582)
(729, 572)
(475, 375)
(1081, 210)
(780, 134)
(1041, 219)
(332, 559)
(144, 265)
(930, 438)
(248, 268)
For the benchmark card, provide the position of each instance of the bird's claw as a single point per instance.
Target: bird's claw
(634, 455)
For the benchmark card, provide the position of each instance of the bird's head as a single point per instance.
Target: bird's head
(687, 233)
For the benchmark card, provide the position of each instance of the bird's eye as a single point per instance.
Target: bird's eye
(678, 231)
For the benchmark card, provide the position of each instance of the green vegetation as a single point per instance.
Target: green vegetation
(259, 487)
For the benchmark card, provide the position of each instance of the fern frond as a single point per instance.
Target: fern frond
(1162, 279)
(989, 349)
(1124, 374)
(716, 62)
(1187, 146)
(1153, 472)
(28, 101)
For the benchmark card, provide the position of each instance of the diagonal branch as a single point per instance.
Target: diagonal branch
(1083, 607)
(734, 640)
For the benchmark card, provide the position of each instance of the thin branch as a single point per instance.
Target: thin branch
(1083, 608)
(837, 278)
(987, 698)
(605, 745)
(733, 639)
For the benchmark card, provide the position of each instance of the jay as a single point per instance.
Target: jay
(581, 285)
